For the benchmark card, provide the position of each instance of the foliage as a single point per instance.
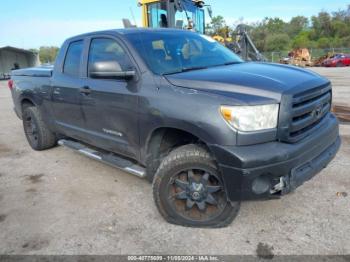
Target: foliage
(325, 30)
(277, 41)
(217, 24)
(47, 54)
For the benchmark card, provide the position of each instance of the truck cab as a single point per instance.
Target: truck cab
(180, 14)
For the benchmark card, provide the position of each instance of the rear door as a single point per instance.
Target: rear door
(66, 93)
(110, 108)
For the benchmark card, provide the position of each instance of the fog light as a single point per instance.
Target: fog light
(261, 185)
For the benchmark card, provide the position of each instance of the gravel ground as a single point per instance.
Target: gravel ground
(59, 202)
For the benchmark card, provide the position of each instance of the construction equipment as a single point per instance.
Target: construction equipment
(298, 57)
(243, 45)
(190, 15)
(181, 14)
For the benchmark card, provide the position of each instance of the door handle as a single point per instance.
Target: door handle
(56, 91)
(85, 90)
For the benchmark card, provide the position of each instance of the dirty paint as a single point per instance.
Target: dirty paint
(342, 194)
(4, 150)
(35, 244)
(2, 218)
(346, 139)
(264, 251)
(35, 178)
(31, 190)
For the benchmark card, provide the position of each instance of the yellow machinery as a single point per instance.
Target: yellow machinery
(181, 14)
(190, 15)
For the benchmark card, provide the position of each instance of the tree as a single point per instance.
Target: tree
(47, 54)
(324, 42)
(275, 25)
(340, 28)
(296, 25)
(325, 30)
(302, 40)
(276, 42)
(34, 50)
(322, 25)
(218, 24)
(259, 33)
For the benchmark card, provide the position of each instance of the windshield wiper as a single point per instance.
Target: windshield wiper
(186, 69)
(233, 63)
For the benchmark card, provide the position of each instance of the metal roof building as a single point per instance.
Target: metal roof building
(12, 57)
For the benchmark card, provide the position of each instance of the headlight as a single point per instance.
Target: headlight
(251, 118)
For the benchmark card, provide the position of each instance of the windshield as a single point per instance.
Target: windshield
(172, 52)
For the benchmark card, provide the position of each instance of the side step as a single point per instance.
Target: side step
(108, 158)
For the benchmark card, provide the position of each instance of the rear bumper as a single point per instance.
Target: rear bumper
(252, 172)
(17, 113)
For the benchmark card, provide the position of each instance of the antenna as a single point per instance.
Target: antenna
(133, 16)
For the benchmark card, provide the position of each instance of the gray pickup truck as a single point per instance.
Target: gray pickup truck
(206, 128)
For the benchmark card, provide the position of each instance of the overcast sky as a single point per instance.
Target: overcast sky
(30, 24)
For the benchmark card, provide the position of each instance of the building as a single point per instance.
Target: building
(12, 57)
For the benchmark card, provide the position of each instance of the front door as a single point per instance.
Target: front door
(110, 109)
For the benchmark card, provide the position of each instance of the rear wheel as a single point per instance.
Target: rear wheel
(189, 191)
(37, 133)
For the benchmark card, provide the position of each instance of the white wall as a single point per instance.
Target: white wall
(8, 57)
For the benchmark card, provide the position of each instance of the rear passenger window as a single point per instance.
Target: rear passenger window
(105, 49)
(73, 58)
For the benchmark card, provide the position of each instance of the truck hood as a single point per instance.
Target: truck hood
(257, 79)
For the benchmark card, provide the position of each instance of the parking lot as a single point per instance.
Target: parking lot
(59, 202)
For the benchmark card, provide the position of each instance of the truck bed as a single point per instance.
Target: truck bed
(34, 72)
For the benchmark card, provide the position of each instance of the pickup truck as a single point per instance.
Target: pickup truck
(206, 128)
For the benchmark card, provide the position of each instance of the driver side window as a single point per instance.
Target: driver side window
(106, 49)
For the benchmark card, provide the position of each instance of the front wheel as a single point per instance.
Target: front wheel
(189, 191)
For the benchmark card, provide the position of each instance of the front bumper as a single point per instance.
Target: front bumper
(252, 172)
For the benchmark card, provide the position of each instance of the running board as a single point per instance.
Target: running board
(107, 158)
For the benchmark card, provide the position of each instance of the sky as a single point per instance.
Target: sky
(31, 24)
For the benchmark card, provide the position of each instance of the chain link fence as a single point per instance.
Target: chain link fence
(315, 53)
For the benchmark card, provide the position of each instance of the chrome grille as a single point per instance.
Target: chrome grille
(309, 108)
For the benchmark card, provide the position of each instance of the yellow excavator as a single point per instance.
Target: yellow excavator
(190, 15)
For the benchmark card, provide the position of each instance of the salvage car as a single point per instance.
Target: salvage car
(206, 128)
(338, 60)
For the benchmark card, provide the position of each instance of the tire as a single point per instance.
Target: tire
(36, 131)
(187, 202)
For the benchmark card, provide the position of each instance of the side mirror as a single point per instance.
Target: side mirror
(109, 70)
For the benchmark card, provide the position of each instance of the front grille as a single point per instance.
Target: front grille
(309, 108)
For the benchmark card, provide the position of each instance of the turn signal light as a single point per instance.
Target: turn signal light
(10, 84)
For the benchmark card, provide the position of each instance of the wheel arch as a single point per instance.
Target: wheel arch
(163, 140)
(25, 101)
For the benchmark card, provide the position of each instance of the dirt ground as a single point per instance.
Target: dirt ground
(59, 202)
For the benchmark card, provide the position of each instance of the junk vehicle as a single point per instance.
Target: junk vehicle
(179, 109)
(337, 60)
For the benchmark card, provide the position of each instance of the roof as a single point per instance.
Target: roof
(127, 31)
(17, 49)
